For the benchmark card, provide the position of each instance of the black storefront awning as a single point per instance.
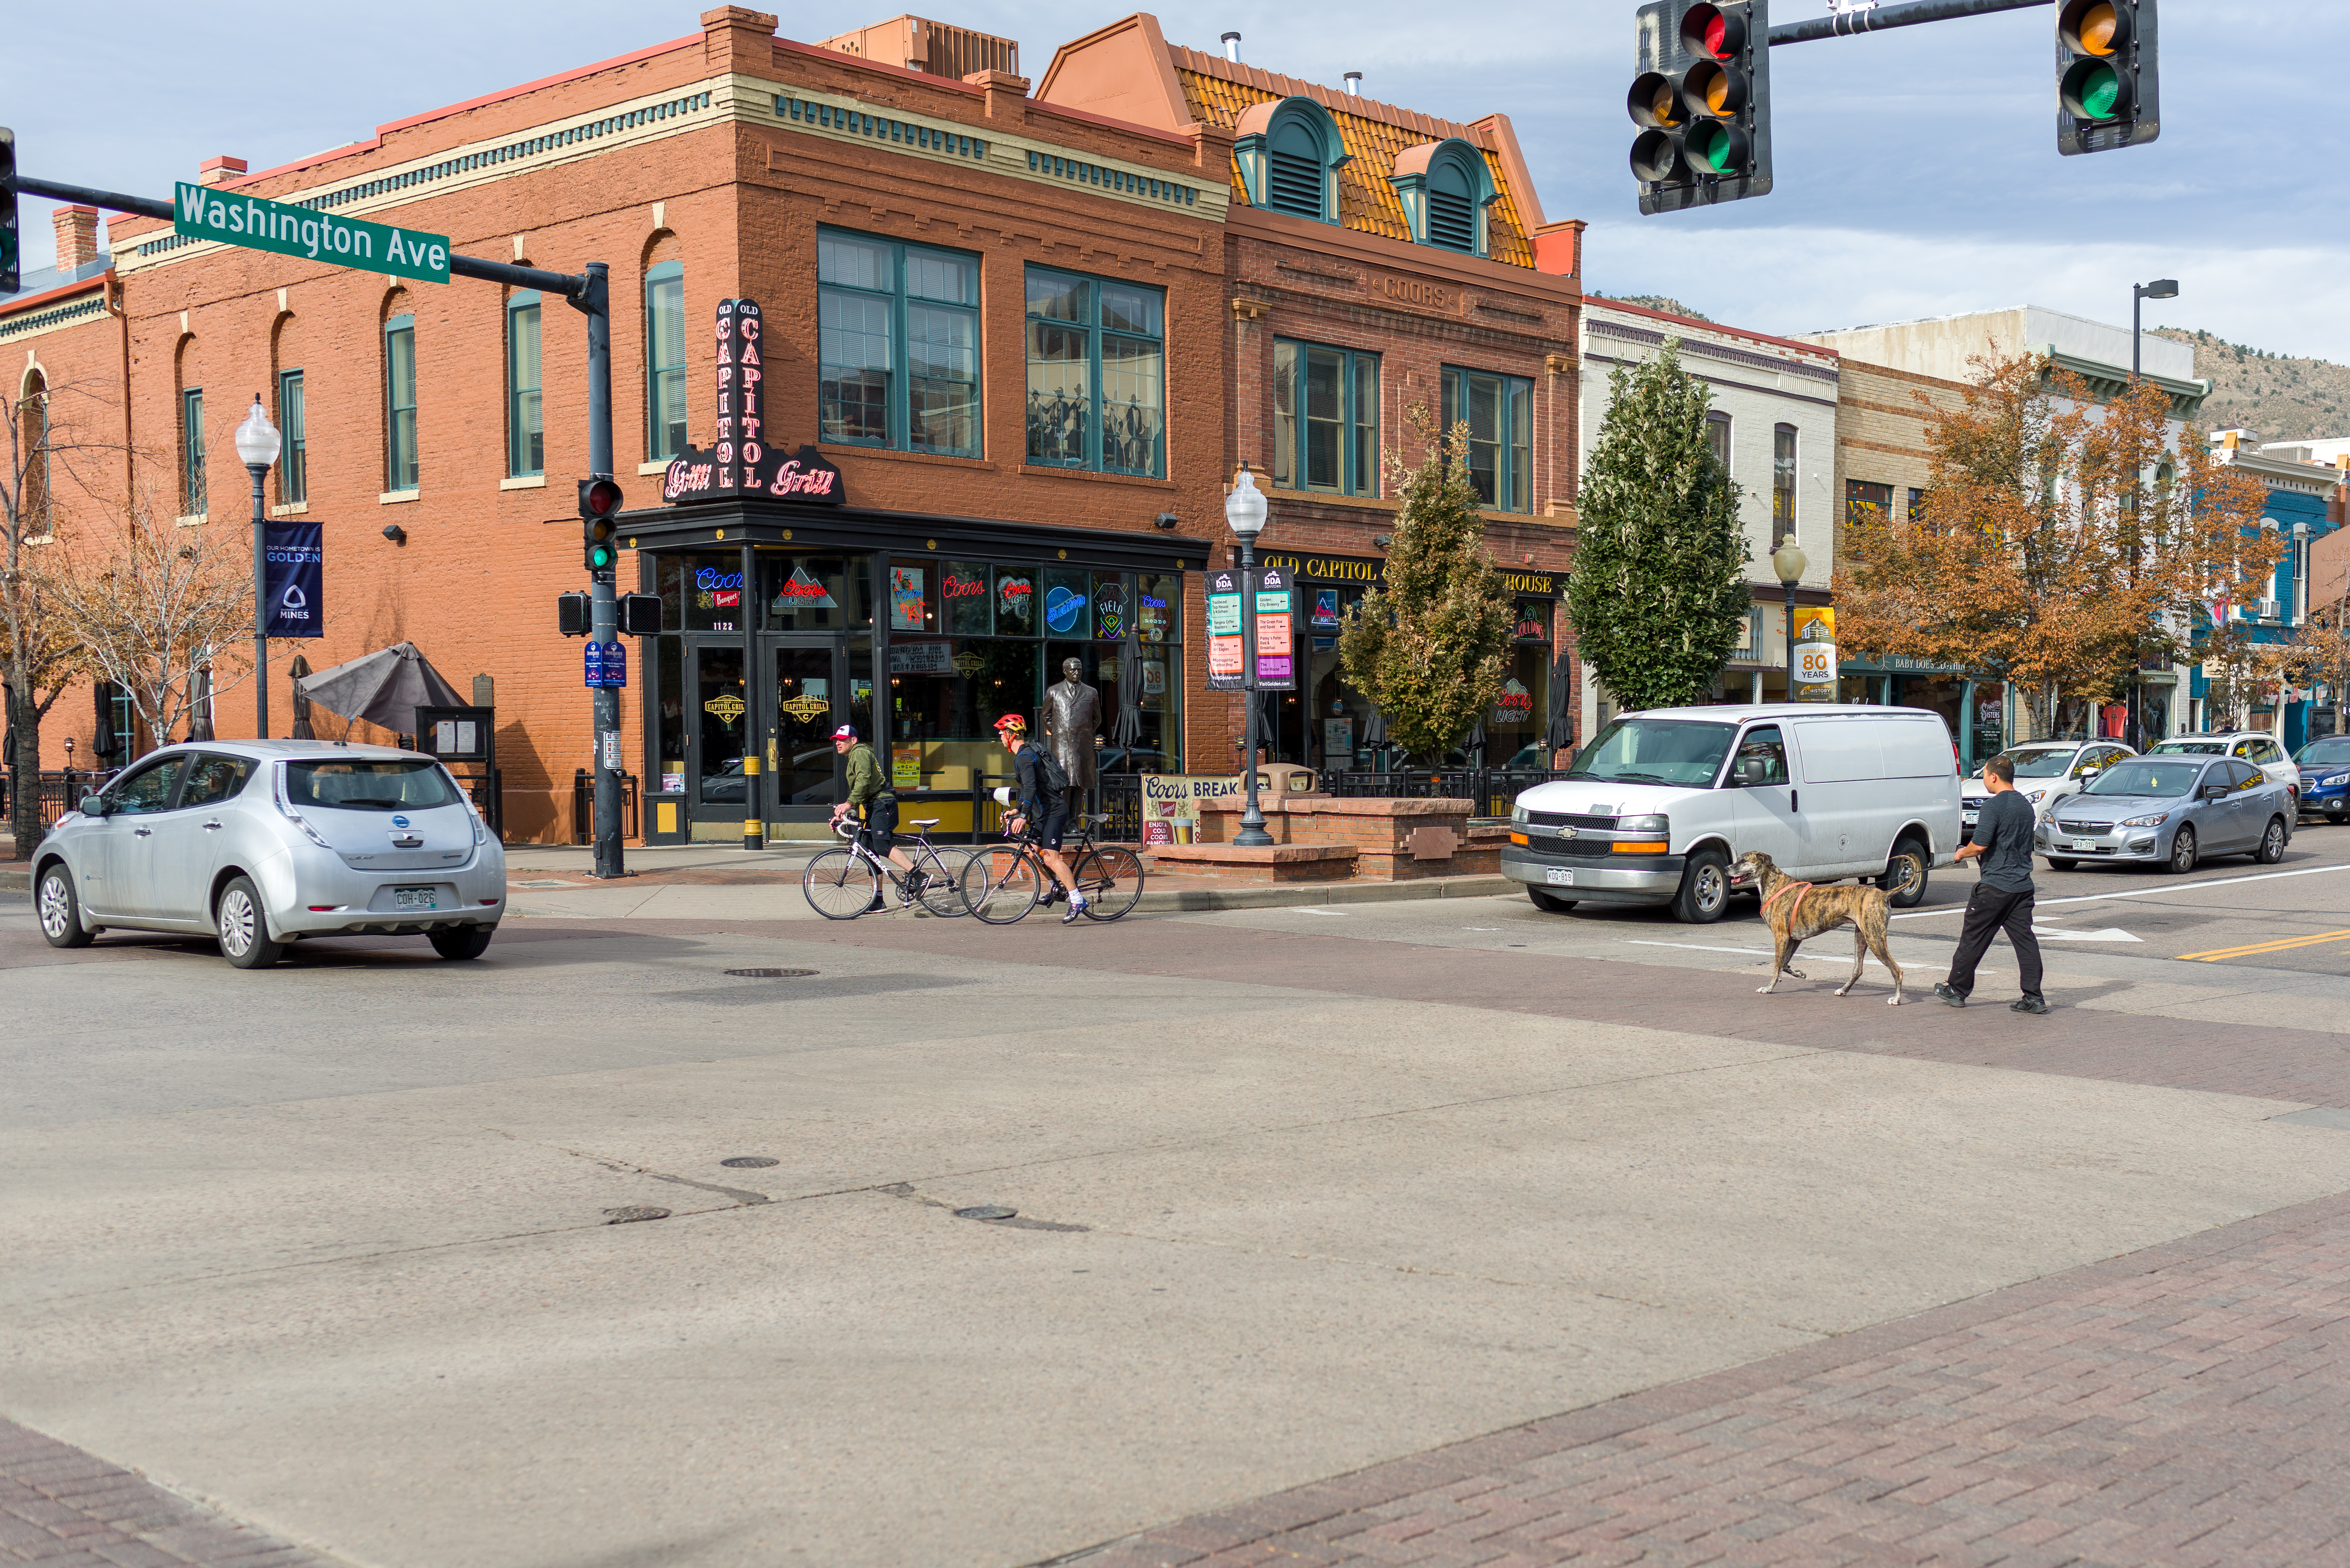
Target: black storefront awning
(757, 520)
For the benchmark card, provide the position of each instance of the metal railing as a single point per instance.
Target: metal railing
(61, 790)
(1490, 792)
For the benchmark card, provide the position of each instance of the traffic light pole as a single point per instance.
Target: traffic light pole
(1850, 24)
(588, 292)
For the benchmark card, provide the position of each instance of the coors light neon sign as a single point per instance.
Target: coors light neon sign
(741, 464)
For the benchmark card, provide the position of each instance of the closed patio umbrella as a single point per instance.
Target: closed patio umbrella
(385, 688)
(200, 706)
(300, 670)
(1128, 727)
(1560, 730)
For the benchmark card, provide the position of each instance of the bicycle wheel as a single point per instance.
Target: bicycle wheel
(839, 885)
(1000, 884)
(942, 871)
(1112, 879)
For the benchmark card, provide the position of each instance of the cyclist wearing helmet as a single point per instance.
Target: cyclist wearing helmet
(1037, 799)
(877, 808)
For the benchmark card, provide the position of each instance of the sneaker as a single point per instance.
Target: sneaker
(1944, 994)
(878, 906)
(2029, 1004)
(1077, 910)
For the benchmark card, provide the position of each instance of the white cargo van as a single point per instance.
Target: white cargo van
(1656, 808)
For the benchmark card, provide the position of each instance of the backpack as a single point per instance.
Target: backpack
(1052, 778)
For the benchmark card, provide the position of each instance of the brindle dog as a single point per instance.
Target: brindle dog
(1796, 912)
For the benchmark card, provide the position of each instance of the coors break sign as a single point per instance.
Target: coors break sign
(741, 463)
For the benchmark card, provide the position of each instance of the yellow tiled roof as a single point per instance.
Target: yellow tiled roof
(1367, 200)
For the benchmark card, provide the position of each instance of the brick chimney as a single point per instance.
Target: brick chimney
(737, 39)
(219, 171)
(77, 236)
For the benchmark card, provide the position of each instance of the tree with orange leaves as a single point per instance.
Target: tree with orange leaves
(2060, 544)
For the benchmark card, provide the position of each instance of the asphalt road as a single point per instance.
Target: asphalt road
(1297, 1191)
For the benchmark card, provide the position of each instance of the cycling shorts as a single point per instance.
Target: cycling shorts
(1051, 826)
(880, 834)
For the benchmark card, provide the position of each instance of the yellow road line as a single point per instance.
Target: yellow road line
(2267, 947)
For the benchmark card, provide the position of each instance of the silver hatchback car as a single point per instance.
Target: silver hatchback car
(259, 843)
(2170, 811)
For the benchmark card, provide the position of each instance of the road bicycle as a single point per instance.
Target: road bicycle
(1003, 881)
(841, 883)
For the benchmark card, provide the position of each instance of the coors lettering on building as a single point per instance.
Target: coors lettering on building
(742, 461)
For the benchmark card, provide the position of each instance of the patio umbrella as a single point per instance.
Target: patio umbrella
(200, 706)
(1561, 729)
(385, 688)
(300, 670)
(103, 743)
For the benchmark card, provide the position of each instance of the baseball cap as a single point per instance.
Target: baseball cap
(845, 732)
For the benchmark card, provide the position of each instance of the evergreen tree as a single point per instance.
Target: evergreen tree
(1658, 595)
(1429, 645)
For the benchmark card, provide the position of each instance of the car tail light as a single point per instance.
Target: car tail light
(295, 817)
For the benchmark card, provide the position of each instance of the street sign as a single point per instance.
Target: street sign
(594, 663)
(202, 213)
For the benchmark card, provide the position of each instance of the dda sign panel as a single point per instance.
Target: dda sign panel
(203, 212)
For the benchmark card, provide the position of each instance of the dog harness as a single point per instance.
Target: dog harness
(1798, 889)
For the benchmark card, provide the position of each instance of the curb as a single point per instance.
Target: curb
(15, 880)
(1206, 900)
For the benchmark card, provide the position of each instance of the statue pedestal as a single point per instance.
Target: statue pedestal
(1384, 840)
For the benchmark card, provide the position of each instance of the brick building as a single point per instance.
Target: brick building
(1007, 322)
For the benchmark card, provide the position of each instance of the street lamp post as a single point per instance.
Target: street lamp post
(257, 442)
(1789, 562)
(1244, 510)
(2161, 288)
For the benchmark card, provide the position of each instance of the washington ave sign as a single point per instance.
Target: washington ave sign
(202, 212)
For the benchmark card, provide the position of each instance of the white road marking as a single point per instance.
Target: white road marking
(2144, 892)
(1696, 947)
(1314, 909)
(2110, 934)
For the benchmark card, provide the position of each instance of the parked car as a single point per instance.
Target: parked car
(2045, 773)
(2171, 810)
(2257, 747)
(1660, 805)
(261, 843)
(2324, 768)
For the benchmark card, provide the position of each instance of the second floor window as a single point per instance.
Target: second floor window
(399, 403)
(664, 360)
(898, 346)
(1783, 485)
(1867, 503)
(293, 461)
(192, 452)
(1500, 413)
(1097, 374)
(525, 417)
(1325, 418)
(1717, 436)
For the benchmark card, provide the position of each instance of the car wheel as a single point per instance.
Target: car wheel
(1904, 875)
(60, 911)
(2182, 852)
(1550, 901)
(463, 942)
(1705, 889)
(2271, 849)
(2056, 865)
(244, 938)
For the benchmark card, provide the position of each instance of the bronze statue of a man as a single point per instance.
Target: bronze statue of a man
(1072, 719)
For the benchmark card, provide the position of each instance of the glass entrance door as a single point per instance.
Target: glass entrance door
(718, 721)
(808, 694)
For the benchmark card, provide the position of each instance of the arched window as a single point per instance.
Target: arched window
(33, 443)
(1288, 152)
(1445, 187)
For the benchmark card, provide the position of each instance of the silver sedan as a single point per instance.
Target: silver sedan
(261, 843)
(2170, 811)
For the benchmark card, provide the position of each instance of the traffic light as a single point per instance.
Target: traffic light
(599, 505)
(2106, 84)
(640, 615)
(571, 613)
(8, 248)
(1702, 101)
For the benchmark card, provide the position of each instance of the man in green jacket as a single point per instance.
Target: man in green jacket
(870, 798)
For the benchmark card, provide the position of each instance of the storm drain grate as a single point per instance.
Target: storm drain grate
(749, 1162)
(986, 1211)
(771, 974)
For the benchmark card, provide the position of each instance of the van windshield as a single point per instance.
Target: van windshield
(368, 786)
(1656, 750)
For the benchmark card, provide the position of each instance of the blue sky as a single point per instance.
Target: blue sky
(1917, 170)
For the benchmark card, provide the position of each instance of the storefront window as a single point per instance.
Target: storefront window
(1516, 725)
(1015, 601)
(1068, 604)
(963, 598)
(703, 592)
(816, 592)
(913, 597)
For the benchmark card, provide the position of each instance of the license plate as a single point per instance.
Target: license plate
(1971, 819)
(1559, 877)
(2085, 844)
(414, 899)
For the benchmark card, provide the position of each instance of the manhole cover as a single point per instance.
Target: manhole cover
(632, 1213)
(749, 1162)
(771, 974)
(986, 1211)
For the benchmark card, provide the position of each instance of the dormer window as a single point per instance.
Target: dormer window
(1289, 155)
(1445, 187)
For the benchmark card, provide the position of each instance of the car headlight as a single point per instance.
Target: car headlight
(2034, 794)
(1644, 825)
(2156, 820)
(2337, 780)
(1518, 814)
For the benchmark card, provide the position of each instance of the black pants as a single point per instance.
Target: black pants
(1989, 912)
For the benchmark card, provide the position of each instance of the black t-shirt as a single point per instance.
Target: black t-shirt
(2004, 830)
(1038, 799)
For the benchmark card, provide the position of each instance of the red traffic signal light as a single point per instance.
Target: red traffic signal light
(2105, 75)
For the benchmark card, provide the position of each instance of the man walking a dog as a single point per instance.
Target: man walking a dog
(2003, 899)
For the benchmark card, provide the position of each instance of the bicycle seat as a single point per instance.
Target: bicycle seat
(925, 821)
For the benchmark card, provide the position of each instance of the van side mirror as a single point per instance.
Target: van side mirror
(93, 805)
(1752, 770)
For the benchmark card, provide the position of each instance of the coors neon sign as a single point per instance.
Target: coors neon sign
(741, 463)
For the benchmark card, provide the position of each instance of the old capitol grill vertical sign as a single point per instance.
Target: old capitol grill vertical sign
(741, 463)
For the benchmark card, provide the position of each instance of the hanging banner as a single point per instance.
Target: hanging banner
(1227, 660)
(1276, 661)
(1815, 656)
(742, 461)
(292, 567)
